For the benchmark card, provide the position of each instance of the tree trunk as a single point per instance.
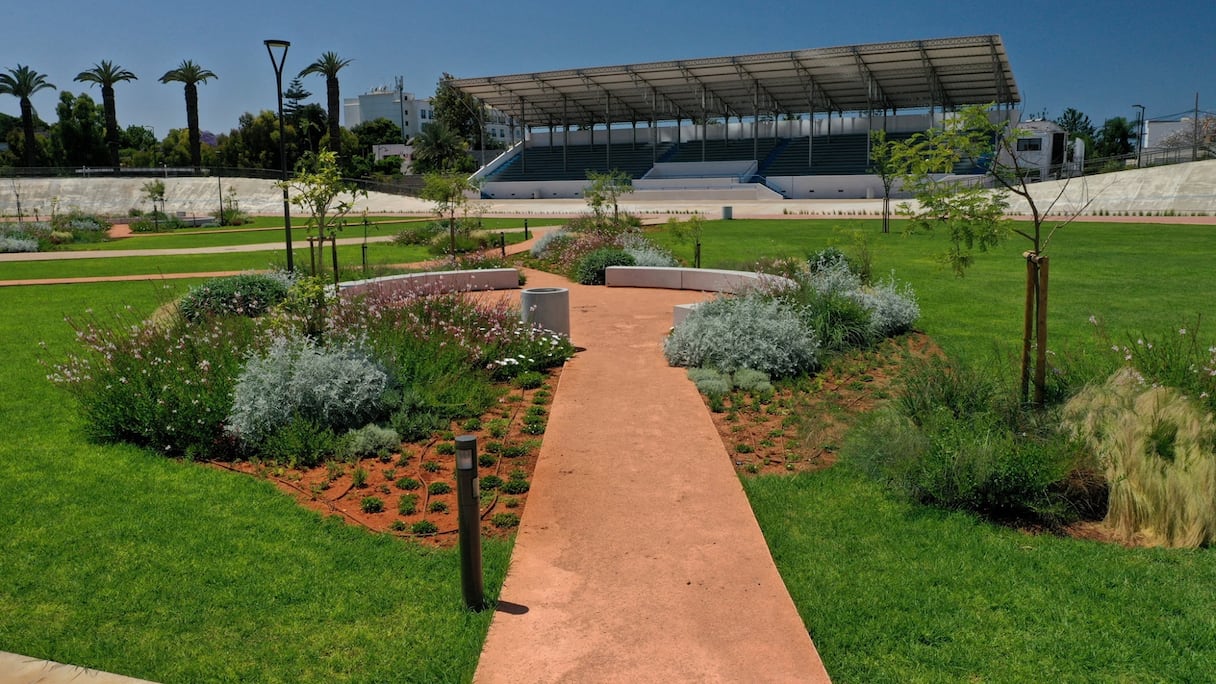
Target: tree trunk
(107, 100)
(333, 104)
(1040, 369)
(27, 128)
(1028, 324)
(196, 152)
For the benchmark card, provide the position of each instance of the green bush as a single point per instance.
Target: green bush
(371, 504)
(300, 443)
(407, 504)
(504, 520)
(437, 488)
(424, 528)
(710, 382)
(248, 294)
(490, 482)
(590, 269)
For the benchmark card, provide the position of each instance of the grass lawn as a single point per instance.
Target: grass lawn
(378, 254)
(896, 593)
(119, 559)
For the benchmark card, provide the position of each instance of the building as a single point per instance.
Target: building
(413, 114)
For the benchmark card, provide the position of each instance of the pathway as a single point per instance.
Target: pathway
(638, 558)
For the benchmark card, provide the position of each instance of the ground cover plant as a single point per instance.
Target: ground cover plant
(58, 232)
(172, 572)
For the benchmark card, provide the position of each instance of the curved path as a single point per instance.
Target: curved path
(638, 558)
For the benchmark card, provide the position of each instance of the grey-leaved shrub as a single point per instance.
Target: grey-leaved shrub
(646, 254)
(544, 242)
(709, 381)
(748, 331)
(369, 441)
(339, 388)
(13, 244)
(246, 294)
(751, 380)
(893, 309)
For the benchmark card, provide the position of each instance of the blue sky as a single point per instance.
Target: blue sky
(1099, 57)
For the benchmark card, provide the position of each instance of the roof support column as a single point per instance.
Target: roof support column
(608, 126)
(565, 134)
(523, 137)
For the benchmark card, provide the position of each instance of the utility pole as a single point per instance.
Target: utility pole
(401, 105)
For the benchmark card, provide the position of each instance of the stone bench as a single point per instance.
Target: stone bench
(699, 279)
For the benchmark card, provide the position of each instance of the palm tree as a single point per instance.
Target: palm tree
(106, 74)
(328, 66)
(191, 74)
(439, 149)
(23, 82)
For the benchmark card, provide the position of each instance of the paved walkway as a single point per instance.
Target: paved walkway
(19, 669)
(638, 558)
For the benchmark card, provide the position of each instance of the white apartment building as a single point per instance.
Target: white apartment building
(413, 114)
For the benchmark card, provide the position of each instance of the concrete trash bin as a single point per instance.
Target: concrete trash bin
(728, 213)
(548, 307)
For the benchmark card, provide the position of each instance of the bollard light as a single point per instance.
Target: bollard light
(471, 581)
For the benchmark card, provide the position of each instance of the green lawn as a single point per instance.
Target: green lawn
(119, 559)
(896, 593)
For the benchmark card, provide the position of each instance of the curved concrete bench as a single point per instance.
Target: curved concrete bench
(480, 279)
(700, 279)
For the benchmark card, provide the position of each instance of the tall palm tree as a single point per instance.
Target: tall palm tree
(23, 82)
(328, 66)
(106, 74)
(191, 74)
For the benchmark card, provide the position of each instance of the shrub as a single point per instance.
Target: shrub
(248, 294)
(646, 254)
(515, 486)
(1157, 449)
(407, 504)
(300, 443)
(438, 507)
(753, 381)
(490, 482)
(437, 488)
(337, 387)
(166, 385)
(419, 234)
(529, 380)
(369, 441)
(445, 448)
(550, 239)
(424, 528)
(893, 309)
(749, 331)
(590, 270)
(408, 484)
(504, 520)
(16, 243)
(371, 504)
(710, 382)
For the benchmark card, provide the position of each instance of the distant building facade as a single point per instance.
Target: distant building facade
(413, 114)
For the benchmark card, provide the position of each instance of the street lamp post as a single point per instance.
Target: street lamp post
(271, 47)
(1140, 138)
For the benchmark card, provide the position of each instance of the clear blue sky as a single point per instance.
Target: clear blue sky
(1099, 57)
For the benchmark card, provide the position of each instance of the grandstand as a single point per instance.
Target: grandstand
(792, 124)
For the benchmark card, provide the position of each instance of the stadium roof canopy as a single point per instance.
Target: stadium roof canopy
(945, 72)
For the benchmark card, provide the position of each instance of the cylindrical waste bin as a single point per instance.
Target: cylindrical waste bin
(728, 213)
(548, 307)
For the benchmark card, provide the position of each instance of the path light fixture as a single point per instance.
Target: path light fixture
(471, 583)
(281, 47)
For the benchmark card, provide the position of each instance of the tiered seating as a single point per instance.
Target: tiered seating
(545, 163)
(835, 155)
(725, 150)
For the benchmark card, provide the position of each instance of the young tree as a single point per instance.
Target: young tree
(974, 215)
(1077, 125)
(1115, 138)
(1199, 135)
(886, 164)
(449, 192)
(606, 189)
(22, 83)
(328, 66)
(105, 74)
(320, 190)
(191, 75)
(693, 228)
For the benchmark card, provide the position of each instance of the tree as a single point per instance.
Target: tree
(606, 189)
(1198, 135)
(975, 215)
(379, 131)
(439, 150)
(320, 190)
(293, 98)
(449, 192)
(886, 164)
(106, 73)
(1115, 138)
(459, 111)
(78, 139)
(328, 66)
(22, 83)
(191, 75)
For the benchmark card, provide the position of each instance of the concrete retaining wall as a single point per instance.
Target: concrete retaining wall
(700, 279)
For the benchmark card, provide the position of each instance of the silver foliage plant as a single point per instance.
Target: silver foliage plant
(542, 243)
(892, 307)
(748, 331)
(338, 387)
(646, 254)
